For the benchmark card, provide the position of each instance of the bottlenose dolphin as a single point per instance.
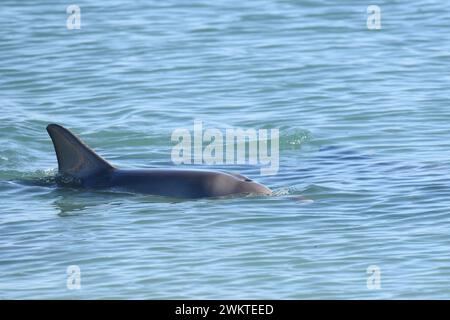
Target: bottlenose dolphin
(80, 166)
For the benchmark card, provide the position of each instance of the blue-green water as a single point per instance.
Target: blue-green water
(364, 132)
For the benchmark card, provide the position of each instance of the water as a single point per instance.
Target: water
(363, 118)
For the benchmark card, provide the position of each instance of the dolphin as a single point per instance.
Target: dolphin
(79, 166)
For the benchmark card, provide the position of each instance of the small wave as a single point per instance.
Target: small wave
(294, 138)
(39, 177)
(293, 194)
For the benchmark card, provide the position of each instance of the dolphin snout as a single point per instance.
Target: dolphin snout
(257, 188)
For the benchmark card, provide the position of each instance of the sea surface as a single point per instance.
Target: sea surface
(361, 204)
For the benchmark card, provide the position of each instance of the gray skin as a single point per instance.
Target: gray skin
(80, 166)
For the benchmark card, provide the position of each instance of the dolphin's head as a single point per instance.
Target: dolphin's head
(252, 187)
(244, 185)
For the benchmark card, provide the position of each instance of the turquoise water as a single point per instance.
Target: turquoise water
(364, 133)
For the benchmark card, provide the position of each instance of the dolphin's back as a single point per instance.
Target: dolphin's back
(173, 183)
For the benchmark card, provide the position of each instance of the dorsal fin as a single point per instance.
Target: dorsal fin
(75, 158)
